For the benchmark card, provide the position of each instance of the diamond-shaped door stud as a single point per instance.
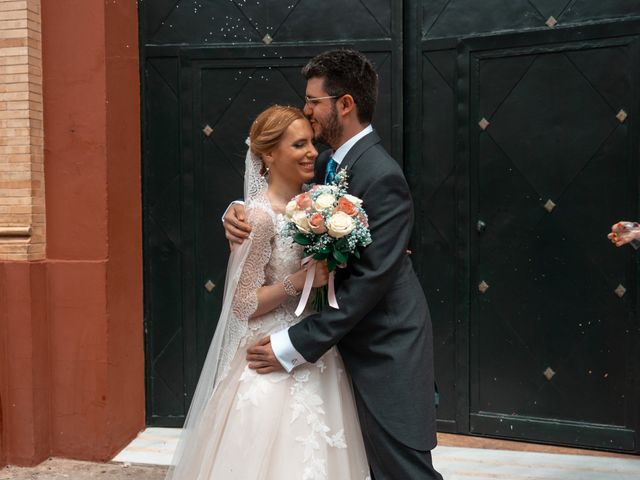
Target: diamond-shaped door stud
(549, 206)
(267, 39)
(622, 116)
(207, 130)
(484, 123)
(551, 22)
(209, 286)
(620, 290)
(549, 373)
(483, 286)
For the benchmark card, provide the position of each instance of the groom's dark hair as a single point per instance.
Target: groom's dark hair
(347, 72)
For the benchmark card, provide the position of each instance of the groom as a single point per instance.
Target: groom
(383, 327)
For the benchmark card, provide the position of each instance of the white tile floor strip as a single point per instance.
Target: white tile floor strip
(153, 446)
(156, 446)
(479, 464)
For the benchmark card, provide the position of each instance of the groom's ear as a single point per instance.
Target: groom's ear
(345, 105)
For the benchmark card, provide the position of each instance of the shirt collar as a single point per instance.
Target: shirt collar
(342, 151)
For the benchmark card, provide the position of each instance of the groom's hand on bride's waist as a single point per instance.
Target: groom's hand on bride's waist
(261, 357)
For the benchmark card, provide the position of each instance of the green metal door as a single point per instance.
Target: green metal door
(535, 314)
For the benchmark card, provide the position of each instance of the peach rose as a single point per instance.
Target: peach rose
(304, 201)
(355, 200)
(316, 223)
(347, 207)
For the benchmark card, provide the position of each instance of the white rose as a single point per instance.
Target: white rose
(325, 201)
(301, 221)
(340, 224)
(355, 200)
(290, 209)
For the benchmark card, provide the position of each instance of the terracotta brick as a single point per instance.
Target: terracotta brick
(21, 132)
(15, 192)
(25, 200)
(33, 25)
(14, 42)
(7, 69)
(18, 158)
(15, 33)
(15, 78)
(15, 176)
(14, 14)
(35, 86)
(10, 52)
(22, 199)
(17, 219)
(11, 24)
(6, 167)
(15, 60)
(9, 248)
(14, 87)
(7, 96)
(5, 114)
(34, 17)
(15, 5)
(15, 141)
(10, 149)
(23, 209)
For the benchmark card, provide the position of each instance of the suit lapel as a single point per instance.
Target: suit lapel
(356, 152)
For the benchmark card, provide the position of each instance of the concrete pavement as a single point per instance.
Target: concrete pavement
(60, 469)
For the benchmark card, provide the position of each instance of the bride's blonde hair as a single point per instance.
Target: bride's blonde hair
(269, 127)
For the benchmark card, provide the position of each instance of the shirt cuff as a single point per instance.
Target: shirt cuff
(239, 202)
(285, 352)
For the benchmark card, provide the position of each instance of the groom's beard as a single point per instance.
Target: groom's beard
(331, 129)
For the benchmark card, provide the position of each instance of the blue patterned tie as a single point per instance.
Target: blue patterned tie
(332, 166)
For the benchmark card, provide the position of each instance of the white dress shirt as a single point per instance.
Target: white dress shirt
(281, 344)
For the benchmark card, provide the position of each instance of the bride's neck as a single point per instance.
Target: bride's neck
(280, 192)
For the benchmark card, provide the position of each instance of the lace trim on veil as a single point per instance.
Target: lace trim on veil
(245, 274)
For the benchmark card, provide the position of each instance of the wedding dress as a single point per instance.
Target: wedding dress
(280, 426)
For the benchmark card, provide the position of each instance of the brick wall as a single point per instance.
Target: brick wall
(22, 204)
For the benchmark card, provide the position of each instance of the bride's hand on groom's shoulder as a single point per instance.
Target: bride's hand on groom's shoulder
(236, 229)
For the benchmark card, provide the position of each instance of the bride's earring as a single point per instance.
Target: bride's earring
(265, 168)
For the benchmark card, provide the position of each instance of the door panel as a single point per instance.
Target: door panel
(549, 89)
(550, 163)
(208, 70)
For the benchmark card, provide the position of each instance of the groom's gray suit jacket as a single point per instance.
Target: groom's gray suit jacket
(383, 328)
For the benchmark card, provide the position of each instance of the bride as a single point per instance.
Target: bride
(242, 425)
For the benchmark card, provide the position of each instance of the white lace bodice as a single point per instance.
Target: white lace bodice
(284, 258)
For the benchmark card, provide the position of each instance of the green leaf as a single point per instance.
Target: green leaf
(321, 256)
(356, 253)
(331, 264)
(342, 244)
(340, 257)
(301, 239)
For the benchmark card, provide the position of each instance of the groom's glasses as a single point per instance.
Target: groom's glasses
(313, 101)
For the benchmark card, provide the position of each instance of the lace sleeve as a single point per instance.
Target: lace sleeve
(252, 277)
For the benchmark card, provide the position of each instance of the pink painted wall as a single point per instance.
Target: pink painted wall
(71, 327)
